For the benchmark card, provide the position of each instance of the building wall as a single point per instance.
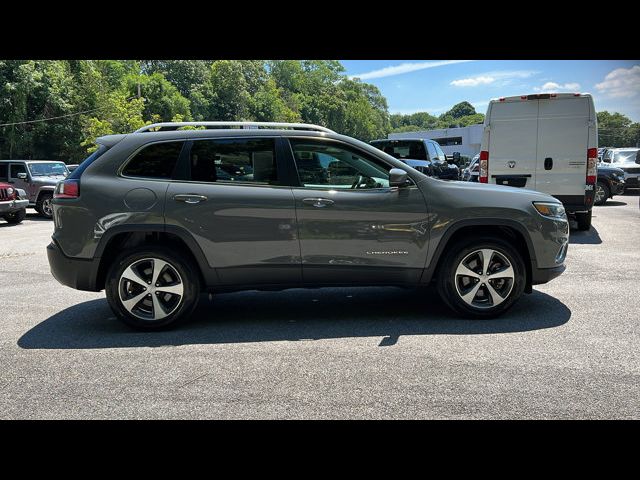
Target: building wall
(471, 138)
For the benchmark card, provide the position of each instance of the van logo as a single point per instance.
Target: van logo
(511, 164)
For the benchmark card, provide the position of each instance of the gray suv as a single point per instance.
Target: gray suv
(36, 177)
(160, 215)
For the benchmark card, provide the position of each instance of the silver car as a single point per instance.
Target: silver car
(628, 160)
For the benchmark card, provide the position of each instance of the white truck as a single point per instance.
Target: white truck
(546, 142)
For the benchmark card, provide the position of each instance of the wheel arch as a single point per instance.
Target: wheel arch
(128, 236)
(501, 228)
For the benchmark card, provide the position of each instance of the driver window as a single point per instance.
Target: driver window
(15, 169)
(335, 166)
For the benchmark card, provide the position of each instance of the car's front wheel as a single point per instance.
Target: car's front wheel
(44, 205)
(481, 277)
(151, 288)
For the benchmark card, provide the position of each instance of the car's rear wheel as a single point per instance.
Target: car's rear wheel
(584, 220)
(602, 193)
(151, 288)
(481, 277)
(44, 205)
(16, 217)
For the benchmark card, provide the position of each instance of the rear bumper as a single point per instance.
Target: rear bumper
(10, 206)
(76, 273)
(544, 275)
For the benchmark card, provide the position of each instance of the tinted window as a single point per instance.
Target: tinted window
(402, 149)
(88, 161)
(441, 154)
(3, 171)
(250, 160)
(330, 165)
(17, 168)
(432, 151)
(154, 161)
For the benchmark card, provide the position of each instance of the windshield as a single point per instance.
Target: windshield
(625, 156)
(413, 149)
(48, 169)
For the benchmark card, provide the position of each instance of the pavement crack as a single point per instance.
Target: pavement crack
(193, 380)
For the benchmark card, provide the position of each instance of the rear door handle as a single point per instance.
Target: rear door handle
(189, 198)
(318, 202)
(548, 163)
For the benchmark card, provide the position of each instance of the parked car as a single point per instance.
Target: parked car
(37, 178)
(545, 142)
(628, 160)
(610, 183)
(426, 156)
(470, 174)
(13, 203)
(146, 218)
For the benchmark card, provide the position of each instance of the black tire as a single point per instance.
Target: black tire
(43, 205)
(606, 193)
(180, 311)
(584, 221)
(16, 217)
(447, 277)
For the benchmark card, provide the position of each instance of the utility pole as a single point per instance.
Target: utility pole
(138, 89)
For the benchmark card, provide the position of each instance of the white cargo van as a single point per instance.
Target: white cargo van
(544, 142)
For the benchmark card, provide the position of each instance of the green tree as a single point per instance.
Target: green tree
(162, 100)
(617, 130)
(461, 109)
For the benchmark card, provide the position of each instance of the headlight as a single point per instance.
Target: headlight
(550, 210)
(9, 191)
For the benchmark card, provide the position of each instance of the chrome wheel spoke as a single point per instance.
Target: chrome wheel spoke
(465, 271)
(158, 310)
(471, 294)
(496, 298)
(158, 267)
(506, 272)
(486, 259)
(172, 289)
(133, 301)
(134, 277)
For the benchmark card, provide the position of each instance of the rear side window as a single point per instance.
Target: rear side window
(154, 161)
(87, 161)
(250, 160)
(3, 172)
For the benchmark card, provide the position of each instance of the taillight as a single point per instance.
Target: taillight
(484, 167)
(592, 166)
(67, 189)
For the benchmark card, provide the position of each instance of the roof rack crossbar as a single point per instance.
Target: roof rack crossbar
(245, 125)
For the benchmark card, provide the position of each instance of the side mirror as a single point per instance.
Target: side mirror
(456, 157)
(606, 160)
(22, 176)
(397, 177)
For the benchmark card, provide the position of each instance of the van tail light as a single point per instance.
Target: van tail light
(592, 166)
(484, 167)
(67, 189)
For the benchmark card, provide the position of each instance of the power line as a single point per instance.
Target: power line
(59, 116)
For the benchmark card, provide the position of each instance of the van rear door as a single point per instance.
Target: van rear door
(563, 140)
(513, 136)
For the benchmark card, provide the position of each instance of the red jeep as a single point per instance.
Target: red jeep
(13, 203)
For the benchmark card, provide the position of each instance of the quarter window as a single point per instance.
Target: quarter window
(154, 161)
(250, 160)
(327, 165)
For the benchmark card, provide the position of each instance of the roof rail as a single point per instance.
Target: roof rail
(247, 125)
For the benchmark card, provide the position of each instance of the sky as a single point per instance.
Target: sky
(435, 86)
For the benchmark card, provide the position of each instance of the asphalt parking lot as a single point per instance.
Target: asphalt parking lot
(569, 350)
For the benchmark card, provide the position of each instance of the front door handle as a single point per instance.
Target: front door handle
(189, 198)
(318, 202)
(548, 163)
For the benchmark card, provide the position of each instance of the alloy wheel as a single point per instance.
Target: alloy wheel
(150, 289)
(47, 207)
(599, 193)
(484, 278)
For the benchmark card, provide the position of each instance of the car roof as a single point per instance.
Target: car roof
(30, 161)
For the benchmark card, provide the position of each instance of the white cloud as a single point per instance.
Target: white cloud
(502, 77)
(404, 68)
(552, 87)
(473, 81)
(621, 82)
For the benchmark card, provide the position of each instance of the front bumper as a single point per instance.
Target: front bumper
(632, 180)
(544, 275)
(80, 274)
(617, 188)
(10, 206)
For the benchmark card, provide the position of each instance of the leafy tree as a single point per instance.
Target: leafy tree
(617, 130)
(460, 110)
(161, 98)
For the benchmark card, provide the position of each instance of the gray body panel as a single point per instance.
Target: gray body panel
(247, 235)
